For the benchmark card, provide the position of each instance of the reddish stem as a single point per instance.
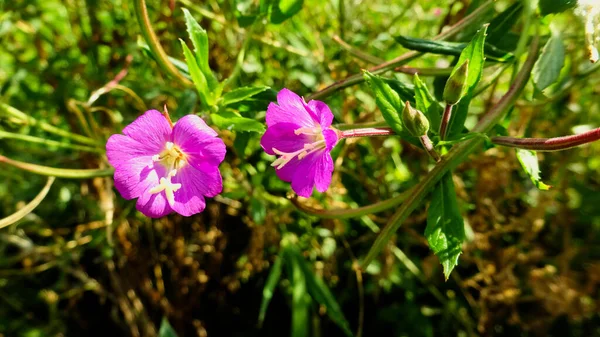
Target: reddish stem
(366, 132)
(549, 144)
(445, 120)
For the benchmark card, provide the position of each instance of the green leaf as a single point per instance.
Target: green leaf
(529, 163)
(166, 330)
(499, 32)
(199, 39)
(404, 90)
(241, 94)
(390, 105)
(318, 290)
(547, 67)
(284, 9)
(426, 103)
(451, 48)
(237, 123)
(269, 289)
(555, 6)
(300, 300)
(474, 52)
(445, 231)
(197, 77)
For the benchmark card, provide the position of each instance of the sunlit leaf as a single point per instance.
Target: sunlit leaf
(551, 60)
(241, 94)
(426, 103)
(197, 77)
(450, 48)
(166, 330)
(530, 165)
(474, 52)
(237, 123)
(199, 39)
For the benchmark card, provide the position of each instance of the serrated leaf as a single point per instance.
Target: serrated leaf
(451, 48)
(166, 330)
(319, 291)
(530, 165)
(269, 289)
(445, 231)
(237, 123)
(426, 103)
(474, 52)
(546, 69)
(404, 90)
(199, 39)
(197, 77)
(390, 105)
(555, 6)
(241, 94)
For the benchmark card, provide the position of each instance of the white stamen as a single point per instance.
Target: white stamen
(286, 157)
(167, 186)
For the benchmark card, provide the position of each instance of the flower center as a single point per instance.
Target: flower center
(316, 145)
(173, 159)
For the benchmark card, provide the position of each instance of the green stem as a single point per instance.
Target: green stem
(44, 126)
(402, 59)
(58, 172)
(141, 12)
(48, 142)
(351, 213)
(454, 157)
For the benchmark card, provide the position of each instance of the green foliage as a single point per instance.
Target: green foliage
(530, 165)
(445, 231)
(426, 102)
(241, 94)
(555, 6)
(451, 48)
(166, 330)
(474, 52)
(232, 121)
(551, 60)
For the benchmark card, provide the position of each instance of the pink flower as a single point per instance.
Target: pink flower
(167, 168)
(301, 135)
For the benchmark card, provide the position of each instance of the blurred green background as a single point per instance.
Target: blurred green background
(86, 263)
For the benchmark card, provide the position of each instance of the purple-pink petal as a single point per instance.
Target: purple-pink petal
(198, 141)
(324, 114)
(323, 167)
(195, 184)
(281, 136)
(137, 176)
(290, 109)
(151, 130)
(153, 205)
(331, 138)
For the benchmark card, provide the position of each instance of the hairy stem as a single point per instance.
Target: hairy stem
(549, 144)
(426, 142)
(366, 132)
(445, 120)
(454, 157)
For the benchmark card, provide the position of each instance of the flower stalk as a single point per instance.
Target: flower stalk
(549, 144)
(445, 120)
(366, 132)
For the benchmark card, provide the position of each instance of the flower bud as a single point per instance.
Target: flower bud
(414, 121)
(455, 86)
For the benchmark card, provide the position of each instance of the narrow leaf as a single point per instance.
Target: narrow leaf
(58, 172)
(197, 77)
(451, 48)
(445, 231)
(166, 330)
(319, 291)
(499, 32)
(474, 52)
(21, 213)
(530, 165)
(241, 94)
(547, 67)
(427, 104)
(269, 289)
(237, 123)
(285, 9)
(199, 39)
(300, 299)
